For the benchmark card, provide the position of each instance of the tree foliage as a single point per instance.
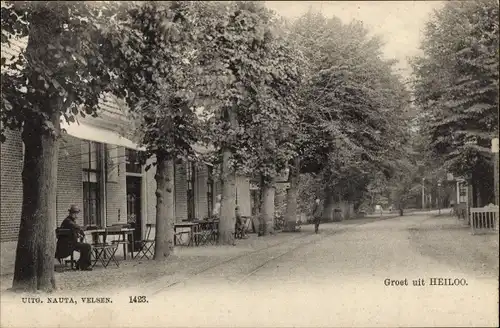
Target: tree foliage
(456, 84)
(251, 72)
(353, 104)
(65, 66)
(158, 49)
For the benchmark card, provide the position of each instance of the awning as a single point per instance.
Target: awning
(92, 133)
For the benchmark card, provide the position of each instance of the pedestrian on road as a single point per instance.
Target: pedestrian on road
(317, 215)
(67, 244)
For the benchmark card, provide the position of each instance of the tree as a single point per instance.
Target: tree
(158, 48)
(270, 122)
(353, 107)
(248, 76)
(61, 73)
(405, 183)
(375, 189)
(456, 86)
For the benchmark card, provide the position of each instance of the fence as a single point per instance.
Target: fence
(484, 219)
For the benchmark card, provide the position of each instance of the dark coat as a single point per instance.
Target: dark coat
(66, 243)
(317, 211)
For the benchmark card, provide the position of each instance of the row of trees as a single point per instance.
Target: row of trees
(456, 91)
(311, 96)
(354, 109)
(455, 98)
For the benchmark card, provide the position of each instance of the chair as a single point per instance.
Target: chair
(66, 233)
(238, 231)
(120, 240)
(214, 238)
(204, 235)
(178, 240)
(147, 245)
(105, 252)
(240, 227)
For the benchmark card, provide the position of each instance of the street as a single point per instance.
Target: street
(335, 278)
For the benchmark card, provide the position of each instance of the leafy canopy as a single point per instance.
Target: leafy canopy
(456, 84)
(63, 69)
(352, 106)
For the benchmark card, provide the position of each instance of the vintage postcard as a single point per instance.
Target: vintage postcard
(249, 164)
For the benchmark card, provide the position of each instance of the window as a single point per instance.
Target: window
(112, 163)
(131, 208)
(133, 164)
(190, 176)
(91, 175)
(210, 191)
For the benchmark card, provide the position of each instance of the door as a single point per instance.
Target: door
(134, 207)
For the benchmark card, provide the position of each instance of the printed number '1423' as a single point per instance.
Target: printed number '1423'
(137, 299)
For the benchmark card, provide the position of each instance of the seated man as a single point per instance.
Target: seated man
(66, 245)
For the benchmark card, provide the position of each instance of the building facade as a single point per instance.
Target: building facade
(98, 171)
(106, 181)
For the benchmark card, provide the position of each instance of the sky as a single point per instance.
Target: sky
(399, 23)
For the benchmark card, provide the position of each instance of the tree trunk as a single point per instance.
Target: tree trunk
(348, 211)
(165, 208)
(280, 193)
(267, 208)
(228, 181)
(34, 266)
(291, 197)
(475, 193)
(228, 203)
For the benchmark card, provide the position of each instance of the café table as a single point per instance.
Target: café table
(123, 232)
(193, 228)
(94, 233)
(112, 231)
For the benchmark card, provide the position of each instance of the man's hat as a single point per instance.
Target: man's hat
(74, 209)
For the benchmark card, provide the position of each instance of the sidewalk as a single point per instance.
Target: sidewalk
(183, 262)
(450, 241)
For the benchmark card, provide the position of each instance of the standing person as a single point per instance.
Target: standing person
(317, 214)
(70, 243)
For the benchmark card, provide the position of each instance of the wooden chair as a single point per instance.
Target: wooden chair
(66, 233)
(214, 238)
(238, 231)
(178, 238)
(104, 252)
(121, 240)
(147, 244)
(204, 235)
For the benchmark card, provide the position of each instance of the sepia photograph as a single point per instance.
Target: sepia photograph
(249, 164)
